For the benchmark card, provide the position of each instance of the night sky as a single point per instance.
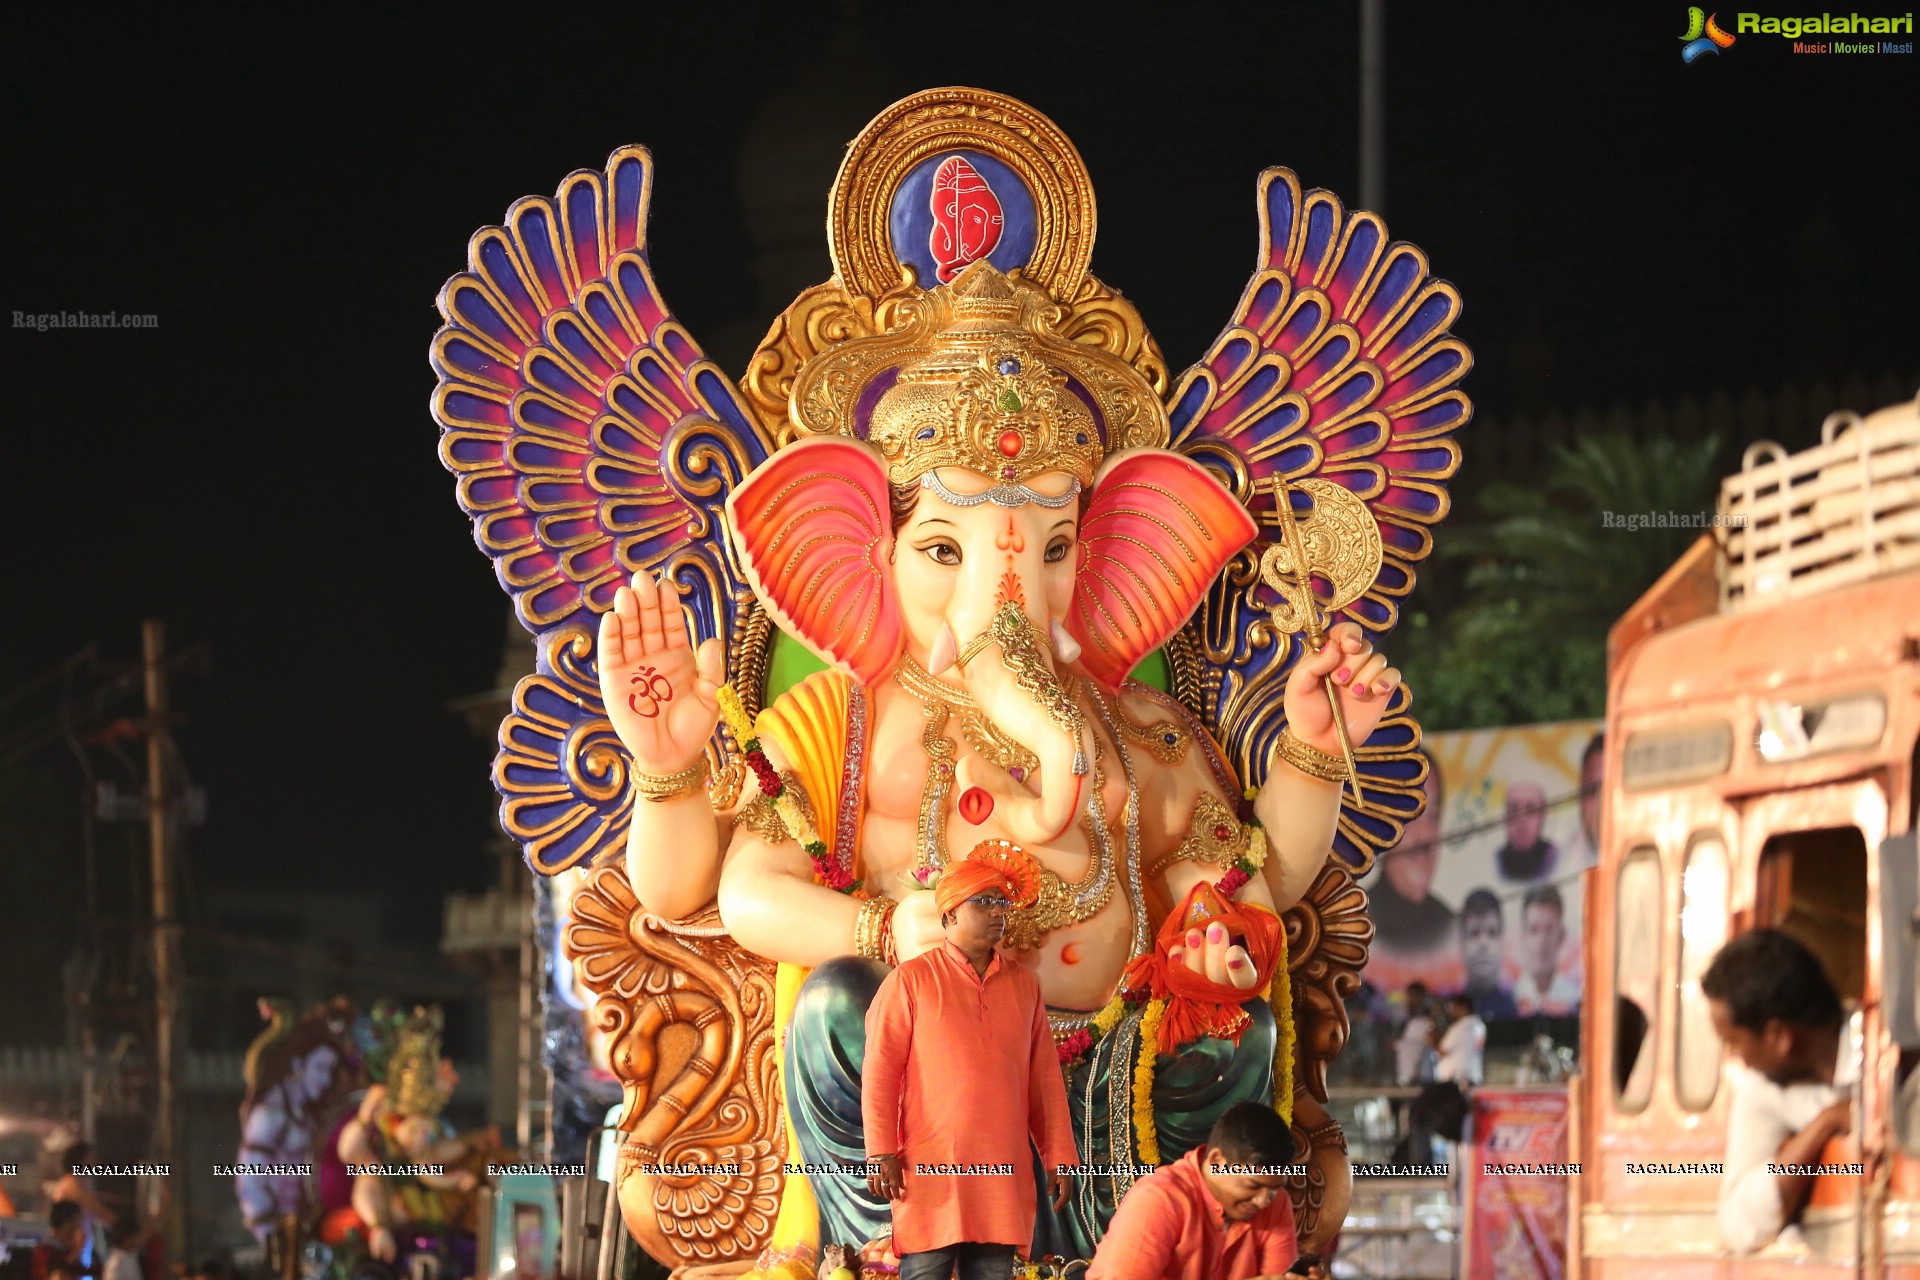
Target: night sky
(260, 470)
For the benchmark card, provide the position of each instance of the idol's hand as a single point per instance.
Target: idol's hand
(1361, 678)
(661, 694)
(916, 925)
(1215, 957)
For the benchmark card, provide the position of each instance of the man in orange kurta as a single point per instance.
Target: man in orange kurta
(960, 1072)
(1218, 1213)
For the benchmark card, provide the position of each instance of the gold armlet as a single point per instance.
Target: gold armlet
(1214, 834)
(1311, 761)
(659, 787)
(872, 929)
(761, 815)
(727, 785)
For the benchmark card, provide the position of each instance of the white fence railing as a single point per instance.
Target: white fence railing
(1841, 512)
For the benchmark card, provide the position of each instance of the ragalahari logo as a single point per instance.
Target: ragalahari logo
(1703, 35)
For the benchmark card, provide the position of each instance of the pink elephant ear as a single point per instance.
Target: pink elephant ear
(813, 525)
(1156, 532)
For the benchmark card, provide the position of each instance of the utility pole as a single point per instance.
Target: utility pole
(168, 1049)
(1373, 106)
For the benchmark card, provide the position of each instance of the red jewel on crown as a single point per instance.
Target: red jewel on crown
(1011, 443)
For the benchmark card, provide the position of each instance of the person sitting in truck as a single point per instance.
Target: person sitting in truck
(1781, 1019)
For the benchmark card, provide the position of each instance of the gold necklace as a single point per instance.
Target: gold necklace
(1166, 740)
(1059, 903)
(989, 740)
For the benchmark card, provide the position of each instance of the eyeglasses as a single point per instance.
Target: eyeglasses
(990, 901)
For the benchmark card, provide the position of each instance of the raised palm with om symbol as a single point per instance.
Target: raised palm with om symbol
(661, 693)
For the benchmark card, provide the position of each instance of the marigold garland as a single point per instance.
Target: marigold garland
(792, 813)
(1280, 996)
(1146, 1134)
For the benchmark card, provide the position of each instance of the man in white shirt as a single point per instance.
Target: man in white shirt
(1463, 1047)
(1778, 1015)
(1415, 1042)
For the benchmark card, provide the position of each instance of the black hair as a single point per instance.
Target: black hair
(123, 1232)
(1545, 896)
(64, 1214)
(1416, 988)
(77, 1154)
(1461, 997)
(1481, 902)
(1595, 745)
(1252, 1133)
(1765, 974)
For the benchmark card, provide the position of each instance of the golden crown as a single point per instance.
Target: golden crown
(413, 1076)
(977, 375)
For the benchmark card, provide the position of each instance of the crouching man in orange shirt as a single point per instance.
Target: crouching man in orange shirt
(1218, 1213)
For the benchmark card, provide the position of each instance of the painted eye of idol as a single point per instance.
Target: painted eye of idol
(941, 551)
(1058, 548)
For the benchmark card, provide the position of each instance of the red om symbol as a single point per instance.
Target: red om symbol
(654, 689)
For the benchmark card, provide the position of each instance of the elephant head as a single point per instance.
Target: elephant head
(977, 483)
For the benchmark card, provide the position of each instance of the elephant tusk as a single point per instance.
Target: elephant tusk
(941, 657)
(1065, 647)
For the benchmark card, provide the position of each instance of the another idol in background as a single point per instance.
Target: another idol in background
(297, 1072)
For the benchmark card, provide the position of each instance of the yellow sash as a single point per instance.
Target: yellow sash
(809, 724)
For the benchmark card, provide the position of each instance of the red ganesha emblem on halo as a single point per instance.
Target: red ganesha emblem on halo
(967, 218)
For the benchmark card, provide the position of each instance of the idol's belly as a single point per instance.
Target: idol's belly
(1077, 963)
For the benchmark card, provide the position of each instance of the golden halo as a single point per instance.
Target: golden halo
(1003, 129)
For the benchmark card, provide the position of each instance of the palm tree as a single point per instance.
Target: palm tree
(1548, 574)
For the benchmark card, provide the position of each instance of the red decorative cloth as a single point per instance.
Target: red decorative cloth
(1197, 1006)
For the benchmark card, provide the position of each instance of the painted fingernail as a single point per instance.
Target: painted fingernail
(1236, 963)
(1380, 688)
(1215, 932)
(1342, 673)
(1193, 937)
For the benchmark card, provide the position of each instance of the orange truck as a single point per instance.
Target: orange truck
(1763, 716)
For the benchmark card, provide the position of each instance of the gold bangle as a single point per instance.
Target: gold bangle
(1311, 761)
(870, 928)
(659, 787)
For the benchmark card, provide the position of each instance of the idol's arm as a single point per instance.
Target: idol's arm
(772, 907)
(1300, 814)
(673, 854)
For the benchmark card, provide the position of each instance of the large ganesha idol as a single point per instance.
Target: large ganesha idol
(953, 565)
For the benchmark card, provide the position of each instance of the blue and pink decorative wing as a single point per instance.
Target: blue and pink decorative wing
(1340, 364)
(591, 439)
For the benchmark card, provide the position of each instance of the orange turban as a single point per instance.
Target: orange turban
(993, 865)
